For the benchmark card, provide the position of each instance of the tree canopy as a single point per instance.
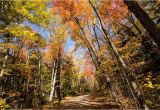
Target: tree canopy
(57, 54)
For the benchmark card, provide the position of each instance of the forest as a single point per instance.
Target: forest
(80, 54)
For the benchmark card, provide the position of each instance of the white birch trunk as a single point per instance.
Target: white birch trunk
(3, 66)
(54, 74)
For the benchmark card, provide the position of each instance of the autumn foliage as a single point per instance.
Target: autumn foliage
(53, 49)
(108, 8)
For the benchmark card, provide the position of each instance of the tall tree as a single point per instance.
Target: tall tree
(145, 20)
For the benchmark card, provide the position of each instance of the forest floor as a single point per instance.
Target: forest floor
(89, 101)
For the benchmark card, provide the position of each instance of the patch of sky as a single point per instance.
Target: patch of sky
(42, 31)
(69, 46)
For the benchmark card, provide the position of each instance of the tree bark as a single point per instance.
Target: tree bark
(98, 44)
(53, 81)
(4, 63)
(131, 19)
(58, 92)
(145, 20)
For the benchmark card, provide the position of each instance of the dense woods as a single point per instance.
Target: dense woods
(54, 49)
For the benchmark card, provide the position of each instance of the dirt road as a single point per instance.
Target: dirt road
(87, 102)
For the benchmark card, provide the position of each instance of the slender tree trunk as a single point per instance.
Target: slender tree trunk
(4, 63)
(53, 80)
(39, 74)
(58, 76)
(53, 72)
(131, 19)
(95, 33)
(38, 89)
(145, 20)
(86, 41)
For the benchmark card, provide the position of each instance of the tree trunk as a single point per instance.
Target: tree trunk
(4, 63)
(39, 74)
(132, 21)
(53, 72)
(96, 37)
(58, 92)
(53, 81)
(145, 20)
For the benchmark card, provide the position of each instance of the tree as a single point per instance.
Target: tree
(54, 58)
(145, 20)
(20, 11)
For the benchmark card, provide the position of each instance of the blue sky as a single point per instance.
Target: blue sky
(45, 33)
(69, 44)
